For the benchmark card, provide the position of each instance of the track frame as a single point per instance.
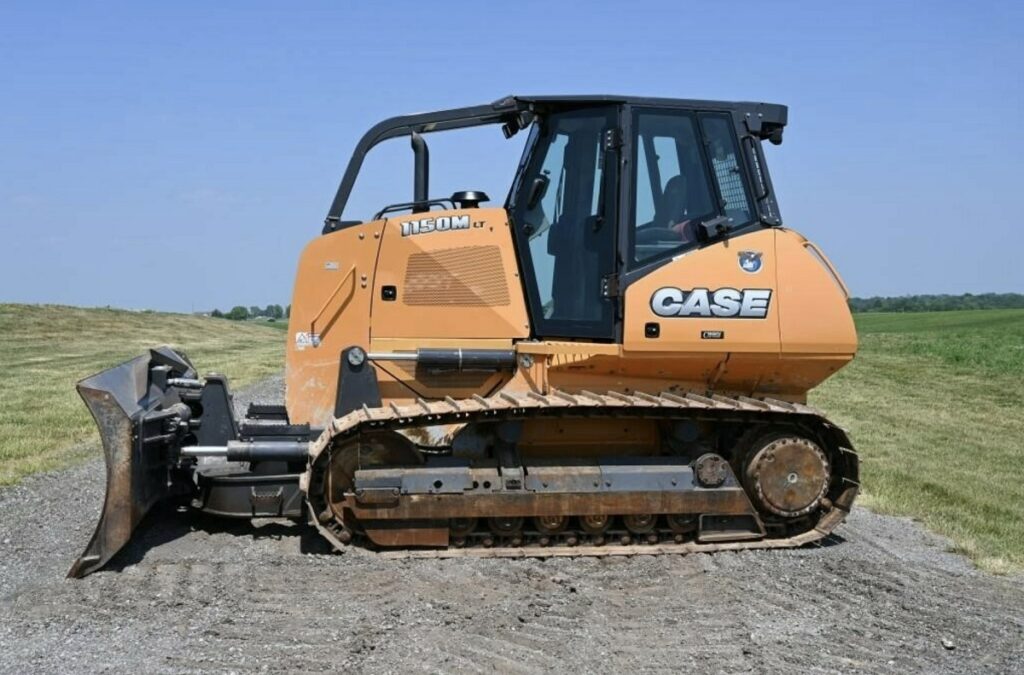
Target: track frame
(506, 406)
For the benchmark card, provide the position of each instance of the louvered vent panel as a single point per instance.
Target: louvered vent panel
(460, 277)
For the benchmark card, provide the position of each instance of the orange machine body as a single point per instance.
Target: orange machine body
(460, 288)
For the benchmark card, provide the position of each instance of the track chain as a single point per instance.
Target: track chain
(557, 403)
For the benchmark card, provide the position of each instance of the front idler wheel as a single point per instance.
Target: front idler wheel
(372, 450)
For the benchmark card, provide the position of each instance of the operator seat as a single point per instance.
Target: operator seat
(670, 213)
(671, 206)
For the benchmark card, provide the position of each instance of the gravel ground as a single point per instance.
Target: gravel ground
(194, 594)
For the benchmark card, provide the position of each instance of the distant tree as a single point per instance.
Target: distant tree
(288, 312)
(255, 312)
(238, 313)
(938, 303)
(273, 312)
(217, 314)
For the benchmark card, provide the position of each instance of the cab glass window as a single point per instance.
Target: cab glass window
(557, 207)
(686, 173)
(721, 147)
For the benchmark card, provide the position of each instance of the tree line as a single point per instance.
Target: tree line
(938, 303)
(240, 313)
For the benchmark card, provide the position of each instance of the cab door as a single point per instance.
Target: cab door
(563, 210)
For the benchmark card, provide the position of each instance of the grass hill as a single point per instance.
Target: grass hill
(934, 403)
(45, 349)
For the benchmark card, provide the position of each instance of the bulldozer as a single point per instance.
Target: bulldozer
(616, 361)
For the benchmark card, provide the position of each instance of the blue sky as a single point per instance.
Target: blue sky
(179, 155)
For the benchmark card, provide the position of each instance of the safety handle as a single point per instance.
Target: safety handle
(827, 264)
(330, 298)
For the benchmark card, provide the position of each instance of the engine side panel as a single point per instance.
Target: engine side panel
(330, 311)
(445, 279)
(449, 274)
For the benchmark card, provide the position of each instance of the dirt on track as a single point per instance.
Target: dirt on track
(195, 594)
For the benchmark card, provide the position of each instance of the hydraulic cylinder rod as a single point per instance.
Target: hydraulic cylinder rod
(251, 451)
(453, 359)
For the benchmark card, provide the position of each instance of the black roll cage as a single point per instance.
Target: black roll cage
(761, 121)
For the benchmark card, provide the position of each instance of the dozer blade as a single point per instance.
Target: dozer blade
(133, 410)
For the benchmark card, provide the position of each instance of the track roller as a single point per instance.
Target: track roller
(681, 523)
(550, 524)
(595, 525)
(460, 528)
(506, 526)
(640, 523)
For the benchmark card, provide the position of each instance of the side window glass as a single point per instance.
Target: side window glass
(553, 171)
(672, 189)
(541, 217)
(723, 154)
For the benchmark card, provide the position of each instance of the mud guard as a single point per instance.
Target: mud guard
(140, 420)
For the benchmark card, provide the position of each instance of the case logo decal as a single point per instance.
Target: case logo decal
(439, 224)
(750, 261)
(723, 303)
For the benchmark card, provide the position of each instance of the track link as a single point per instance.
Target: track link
(618, 540)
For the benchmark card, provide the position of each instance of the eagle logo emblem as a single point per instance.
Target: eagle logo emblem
(750, 261)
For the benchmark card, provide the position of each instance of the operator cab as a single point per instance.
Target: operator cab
(595, 205)
(608, 189)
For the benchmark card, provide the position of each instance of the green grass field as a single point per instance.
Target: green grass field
(934, 403)
(45, 349)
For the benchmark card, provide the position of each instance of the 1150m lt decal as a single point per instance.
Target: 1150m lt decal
(724, 303)
(439, 224)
